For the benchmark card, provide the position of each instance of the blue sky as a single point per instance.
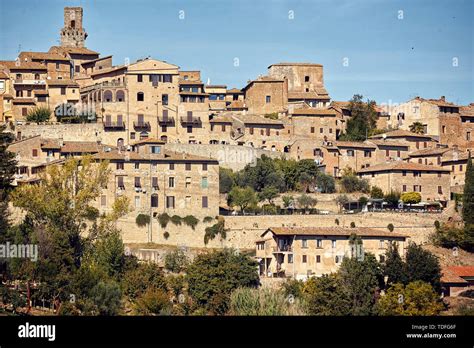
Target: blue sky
(389, 59)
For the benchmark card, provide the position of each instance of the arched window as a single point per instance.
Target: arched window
(154, 200)
(164, 138)
(286, 149)
(120, 142)
(140, 96)
(120, 96)
(108, 96)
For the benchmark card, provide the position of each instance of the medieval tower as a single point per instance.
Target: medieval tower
(73, 34)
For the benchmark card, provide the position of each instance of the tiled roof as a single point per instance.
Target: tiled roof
(331, 231)
(354, 144)
(454, 155)
(234, 90)
(237, 104)
(13, 65)
(74, 50)
(428, 152)
(255, 119)
(166, 156)
(62, 82)
(307, 95)
(389, 142)
(400, 133)
(401, 165)
(41, 92)
(3, 75)
(438, 102)
(24, 101)
(314, 111)
(44, 56)
(263, 79)
(190, 82)
(216, 86)
(467, 110)
(454, 274)
(107, 70)
(95, 60)
(50, 144)
(81, 147)
(222, 119)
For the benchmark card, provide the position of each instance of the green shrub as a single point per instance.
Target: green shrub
(190, 221)
(176, 261)
(217, 229)
(208, 219)
(376, 192)
(38, 114)
(175, 219)
(163, 219)
(142, 220)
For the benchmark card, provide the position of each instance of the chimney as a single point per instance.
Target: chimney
(443, 98)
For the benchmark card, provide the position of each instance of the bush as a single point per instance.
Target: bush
(142, 220)
(163, 219)
(176, 261)
(153, 302)
(363, 200)
(392, 198)
(208, 219)
(106, 296)
(190, 221)
(411, 197)
(226, 180)
(38, 114)
(214, 230)
(376, 192)
(351, 183)
(175, 219)
(146, 275)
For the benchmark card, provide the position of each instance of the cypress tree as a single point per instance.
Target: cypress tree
(468, 205)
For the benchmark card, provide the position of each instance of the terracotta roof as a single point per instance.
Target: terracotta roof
(50, 144)
(263, 79)
(354, 144)
(331, 231)
(56, 161)
(314, 111)
(95, 60)
(216, 86)
(74, 50)
(454, 274)
(13, 65)
(438, 102)
(255, 119)
(237, 104)
(81, 147)
(62, 82)
(307, 95)
(380, 142)
(401, 165)
(3, 75)
(7, 96)
(166, 156)
(190, 82)
(467, 110)
(428, 152)
(234, 91)
(295, 64)
(24, 101)
(44, 56)
(455, 155)
(107, 70)
(400, 133)
(222, 119)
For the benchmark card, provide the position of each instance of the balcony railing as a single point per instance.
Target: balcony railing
(29, 82)
(166, 121)
(191, 120)
(141, 125)
(114, 125)
(282, 249)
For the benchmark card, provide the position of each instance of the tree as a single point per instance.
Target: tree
(153, 302)
(422, 265)
(242, 197)
(411, 198)
(468, 204)
(325, 183)
(394, 267)
(351, 183)
(268, 194)
(417, 127)
(363, 201)
(361, 281)
(213, 276)
(106, 296)
(7, 170)
(305, 202)
(38, 114)
(362, 121)
(288, 201)
(109, 253)
(176, 261)
(417, 298)
(392, 198)
(342, 200)
(138, 279)
(376, 192)
(324, 296)
(264, 173)
(226, 180)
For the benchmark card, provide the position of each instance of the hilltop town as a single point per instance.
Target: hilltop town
(274, 169)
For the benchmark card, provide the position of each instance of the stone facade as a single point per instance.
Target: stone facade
(73, 34)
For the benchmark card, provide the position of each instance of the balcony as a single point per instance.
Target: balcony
(141, 125)
(30, 82)
(190, 120)
(114, 125)
(282, 249)
(166, 121)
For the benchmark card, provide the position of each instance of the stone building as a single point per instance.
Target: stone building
(416, 141)
(73, 34)
(266, 95)
(432, 182)
(303, 252)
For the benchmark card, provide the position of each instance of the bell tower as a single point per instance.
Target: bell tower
(73, 34)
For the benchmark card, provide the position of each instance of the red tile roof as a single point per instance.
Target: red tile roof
(401, 165)
(331, 231)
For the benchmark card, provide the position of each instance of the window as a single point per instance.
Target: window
(187, 202)
(398, 153)
(439, 175)
(188, 182)
(321, 130)
(24, 111)
(251, 130)
(137, 165)
(164, 99)
(204, 202)
(132, 135)
(155, 149)
(140, 96)
(140, 78)
(443, 129)
(319, 243)
(120, 165)
(137, 202)
(306, 79)
(120, 183)
(404, 189)
(154, 200)
(171, 182)
(440, 189)
(318, 258)
(171, 166)
(350, 153)
(382, 258)
(204, 183)
(382, 244)
(204, 167)
(223, 127)
(312, 129)
(290, 258)
(103, 200)
(2, 84)
(304, 259)
(170, 202)
(189, 129)
(154, 182)
(187, 166)
(387, 153)
(77, 68)
(417, 188)
(417, 174)
(63, 90)
(137, 182)
(330, 130)
(333, 244)
(268, 131)
(367, 153)
(417, 144)
(468, 135)
(460, 167)
(35, 152)
(337, 259)
(304, 243)
(120, 96)
(57, 66)
(268, 99)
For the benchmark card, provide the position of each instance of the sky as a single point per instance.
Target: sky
(386, 50)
